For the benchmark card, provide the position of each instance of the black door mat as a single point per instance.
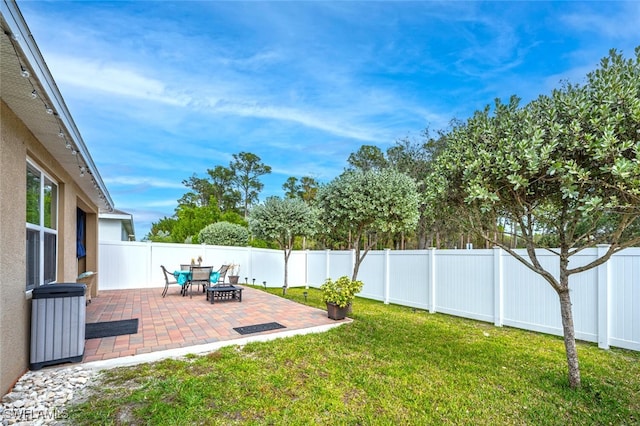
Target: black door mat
(258, 328)
(97, 330)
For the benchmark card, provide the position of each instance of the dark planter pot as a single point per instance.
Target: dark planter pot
(233, 279)
(335, 312)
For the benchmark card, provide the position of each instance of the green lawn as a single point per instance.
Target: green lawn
(393, 365)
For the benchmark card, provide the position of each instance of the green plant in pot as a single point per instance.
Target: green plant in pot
(339, 294)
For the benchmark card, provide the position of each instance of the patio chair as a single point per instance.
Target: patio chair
(223, 272)
(168, 280)
(200, 275)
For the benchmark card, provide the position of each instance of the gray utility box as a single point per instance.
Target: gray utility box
(57, 324)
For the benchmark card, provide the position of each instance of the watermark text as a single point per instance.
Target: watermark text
(31, 414)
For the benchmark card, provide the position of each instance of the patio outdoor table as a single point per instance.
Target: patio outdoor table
(224, 292)
(183, 277)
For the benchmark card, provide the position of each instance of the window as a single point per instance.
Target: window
(42, 228)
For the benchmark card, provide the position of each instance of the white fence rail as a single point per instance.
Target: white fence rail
(486, 285)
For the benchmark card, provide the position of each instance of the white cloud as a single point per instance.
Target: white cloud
(161, 203)
(312, 120)
(113, 79)
(255, 61)
(142, 181)
(317, 171)
(621, 23)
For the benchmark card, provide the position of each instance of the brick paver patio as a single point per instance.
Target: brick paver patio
(176, 322)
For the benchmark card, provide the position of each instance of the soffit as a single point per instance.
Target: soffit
(16, 51)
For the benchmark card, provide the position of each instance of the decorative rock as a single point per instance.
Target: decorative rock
(11, 397)
(39, 397)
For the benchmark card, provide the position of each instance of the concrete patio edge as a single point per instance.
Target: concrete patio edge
(204, 348)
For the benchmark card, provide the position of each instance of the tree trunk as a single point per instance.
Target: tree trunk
(287, 252)
(561, 287)
(569, 338)
(356, 267)
(422, 241)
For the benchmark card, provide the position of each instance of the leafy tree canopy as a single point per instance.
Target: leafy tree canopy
(566, 165)
(191, 219)
(368, 203)
(282, 220)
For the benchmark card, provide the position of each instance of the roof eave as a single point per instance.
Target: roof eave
(29, 54)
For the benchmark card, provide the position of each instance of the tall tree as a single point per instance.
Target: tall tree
(566, 165)
(292, 188)
(413, 159)
(282, 220)
(305, 189)
(367, 205)
(202, 190)
(247, 169)
(222, 186)
(367, 157)
(309, 189)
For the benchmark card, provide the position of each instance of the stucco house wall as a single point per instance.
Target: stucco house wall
(18, 144)
(31, 133)
(14, 309)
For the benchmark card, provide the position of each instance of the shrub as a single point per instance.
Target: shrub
(224, 234)
(341, 291)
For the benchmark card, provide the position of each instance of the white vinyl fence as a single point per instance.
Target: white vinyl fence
(486, 285)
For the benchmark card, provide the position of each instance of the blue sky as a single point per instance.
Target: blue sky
(161, 90)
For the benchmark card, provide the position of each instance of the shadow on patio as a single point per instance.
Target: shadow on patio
(176, 325)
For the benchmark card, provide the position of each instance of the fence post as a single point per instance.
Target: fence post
(498, 287)
(386, 275)
(306, 268)
(250, 262)
(432, 280)
(604, 295)
(327, 264)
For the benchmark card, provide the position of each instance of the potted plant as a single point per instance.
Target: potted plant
(338, 295)
(234, 273)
